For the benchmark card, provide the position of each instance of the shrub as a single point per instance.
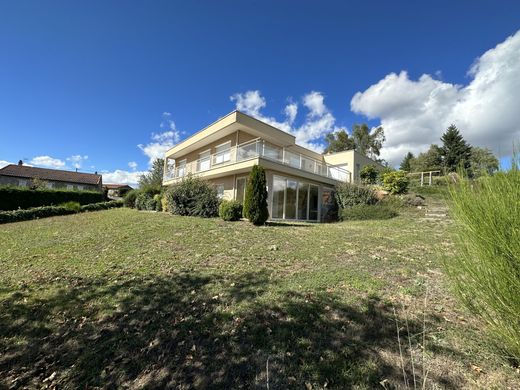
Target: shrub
(230, 210)
(255, 201)
(164, 203)
(193, 197)
(72, 206)
(12, 198)
(158, 202)
(129, 199)
(348, 195)
(145, 201)
(396, 182)
(365, 212)
(368, 174)
(102, 206)
(50, 211)
(486, 274)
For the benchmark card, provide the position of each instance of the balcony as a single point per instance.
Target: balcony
(254, 149)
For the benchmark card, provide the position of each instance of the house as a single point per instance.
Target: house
(300, 182)
(23, 175)
(116, 190)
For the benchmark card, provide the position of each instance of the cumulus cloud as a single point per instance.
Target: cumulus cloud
(415, 113)
(316, 124)
(132, 165)
(161, 142)
(122, 177)
(47, 162)
(3, 163)
(77, 160)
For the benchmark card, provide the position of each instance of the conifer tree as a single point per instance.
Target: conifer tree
(405, 164)
(255, 201)
(455, 151)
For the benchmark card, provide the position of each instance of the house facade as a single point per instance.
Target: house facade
(23, 176)
(300, 182)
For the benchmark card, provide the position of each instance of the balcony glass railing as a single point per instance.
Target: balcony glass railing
(253, 149)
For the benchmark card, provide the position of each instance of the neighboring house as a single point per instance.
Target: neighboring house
(300, 182)
(23, 175)
(116, 190)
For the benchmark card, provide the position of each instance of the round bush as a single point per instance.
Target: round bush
(348, 195)
(230, 210)
(193, 197)
(144, 201)
(129, 199)
(396, 182)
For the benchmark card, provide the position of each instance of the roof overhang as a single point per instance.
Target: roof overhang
(227, 125)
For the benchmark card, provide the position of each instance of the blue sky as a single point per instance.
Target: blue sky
(85, 83)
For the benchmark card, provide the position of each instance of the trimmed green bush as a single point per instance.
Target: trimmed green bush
(157, 198)
(145, 201)
(73, 206)
(396, 182)
(13, 198)
(129, 199)
(486, 274)
(368, 174)
(102, 206)
(255, 201)
(230, 210)
(193, 197)
(348, 195)
(362, 212)
(51, 211)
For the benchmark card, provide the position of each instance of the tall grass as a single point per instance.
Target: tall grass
(486, 273)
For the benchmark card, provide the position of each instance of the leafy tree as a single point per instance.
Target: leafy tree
(255, 201)
(405, 164)
(154, 177)
(368, 174)
(368, 143)
(339, 141)
(431, 160)
(455, 150)
(483, 162)
(37, 183)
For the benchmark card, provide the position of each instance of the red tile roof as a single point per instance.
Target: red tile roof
(50, 174)
(116, 186)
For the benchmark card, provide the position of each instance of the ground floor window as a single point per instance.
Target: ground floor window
(241, 189)
(292, 199)
(220, 190)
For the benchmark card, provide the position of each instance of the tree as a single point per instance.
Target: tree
(431, 160)
(455, 151)
(405, 164)
(483, 162)
(368, 143)
(255, 201)
(153, 178)
(338, 142)
(368, 174)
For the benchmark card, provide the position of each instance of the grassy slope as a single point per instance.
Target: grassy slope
(138, 299)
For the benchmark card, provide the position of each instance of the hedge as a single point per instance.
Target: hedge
(51, 211)
(13, 198)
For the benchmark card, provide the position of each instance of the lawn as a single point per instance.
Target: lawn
(122, 298)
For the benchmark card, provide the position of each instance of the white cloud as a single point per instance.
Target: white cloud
(415, 113)
(132, 165)
(3, 163)
(318, 121)
(48, 162)
(122, 177)
(77, 160)
(163, 141)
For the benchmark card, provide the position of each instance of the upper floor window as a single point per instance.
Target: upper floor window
(204, 162)
(222, 153)
(181, 168)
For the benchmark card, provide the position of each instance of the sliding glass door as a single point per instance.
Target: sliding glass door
(294, 200)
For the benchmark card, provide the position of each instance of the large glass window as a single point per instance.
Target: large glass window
(241, 189)
(181, 169)
(303, 200)
(290, 199)
(278, 196)
(204, 162)
(222, 153)
(313, 203)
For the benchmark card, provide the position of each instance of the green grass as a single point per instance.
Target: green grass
(122, 298)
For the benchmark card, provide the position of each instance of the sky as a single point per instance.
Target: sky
(108, 86)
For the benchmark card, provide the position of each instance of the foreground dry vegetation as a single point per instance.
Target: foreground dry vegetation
(122, 298)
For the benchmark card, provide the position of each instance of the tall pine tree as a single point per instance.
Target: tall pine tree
(405, 164)
(455, 151)
(255, 201)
